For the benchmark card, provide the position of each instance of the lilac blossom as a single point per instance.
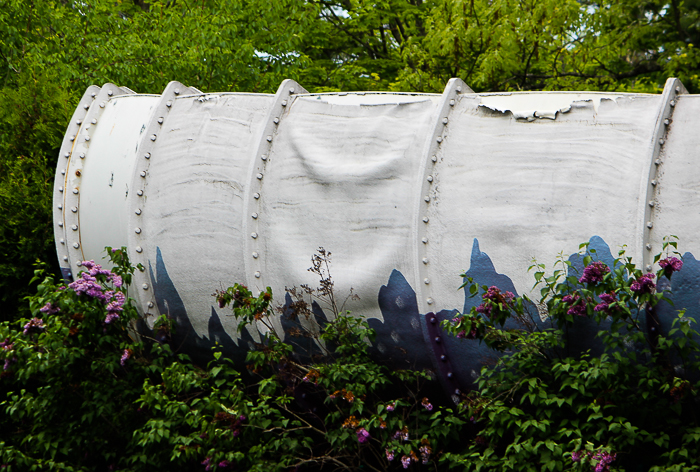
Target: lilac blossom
(35, 325)
(576, 456)
(125, 356)
(670, 265)
(604, 460)
(594, 273)
(49, 309)
(390, 407)
(207, 462)
(223, 464)
(389, 455)
(362, 435)
(578, 305)
(406, 461)
(426, 404)
(7, 344)
(643, 284)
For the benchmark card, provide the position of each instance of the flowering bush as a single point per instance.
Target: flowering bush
(628, 404)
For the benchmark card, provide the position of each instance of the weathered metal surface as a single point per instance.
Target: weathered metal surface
(406, 190)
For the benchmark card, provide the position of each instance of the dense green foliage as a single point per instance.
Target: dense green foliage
(82, 390)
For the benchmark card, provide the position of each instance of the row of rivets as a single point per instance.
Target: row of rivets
(74, 209)
(140, 192)
(439, 138)
(657, 162)
(263, 152)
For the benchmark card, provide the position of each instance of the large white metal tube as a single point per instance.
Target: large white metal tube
(406, 190)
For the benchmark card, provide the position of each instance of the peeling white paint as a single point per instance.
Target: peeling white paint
(531, 105)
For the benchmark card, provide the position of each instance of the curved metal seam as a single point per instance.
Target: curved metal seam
(672, 89)
(144, 293)
(254, 193)
(60, 179)
(421, 219)
(74, 170)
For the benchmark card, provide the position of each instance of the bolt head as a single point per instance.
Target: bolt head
(424, 240)
(452, 103)
(144, 286)
(60, 224)
(257, 275)
(75, 191)
(255, 216)
(140, 193)
(81, 155)
(430, 178)
(426, 281)
(153, 137)
(160, 120)
(137, 231)
(150, 304)
(254, 235)
(259, 176)
(429, 301)
(110, 93)
(143, 173)
(269, 139)
(263, 157)
(425, 260)
(76, 245)
(139, 249)
(284, 103)
(426, 219)
(74, 227)
(255, 255)
(256, 195)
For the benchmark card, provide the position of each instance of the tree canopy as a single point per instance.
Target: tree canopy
(51, 50)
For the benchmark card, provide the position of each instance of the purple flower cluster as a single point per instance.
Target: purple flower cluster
(670, 265)
(644, 284)
(362, 435)
(207, 464)
(402, 434)
(578, 305)
(390, 407)
(493, 297)
(35, 325)
(426, 404)
(87, 284)
(594, 273)
(603, 459)
(125, 357)
(406, 461)
(425, 451)
(7, 345)
(606, 300)
(49, 309)
(389, 455)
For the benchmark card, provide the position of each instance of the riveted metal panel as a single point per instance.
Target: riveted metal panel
(518, 187)
(60, 179)
(74, 177)
(190, 193)
(343, 176)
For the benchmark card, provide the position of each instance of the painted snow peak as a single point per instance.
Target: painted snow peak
(684, 288)
(171, 304)
(400, 339)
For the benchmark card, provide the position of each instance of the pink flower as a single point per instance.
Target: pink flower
(406, 461)
(643, 284)
(594, 273)
(49, 309)
(426, 404)
(390, 407)
(389, 455)
(362, 435)
(125, 356)
(670, 265)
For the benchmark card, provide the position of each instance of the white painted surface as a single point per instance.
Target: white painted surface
(108, 169)
(193, 202)
(345, 172)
